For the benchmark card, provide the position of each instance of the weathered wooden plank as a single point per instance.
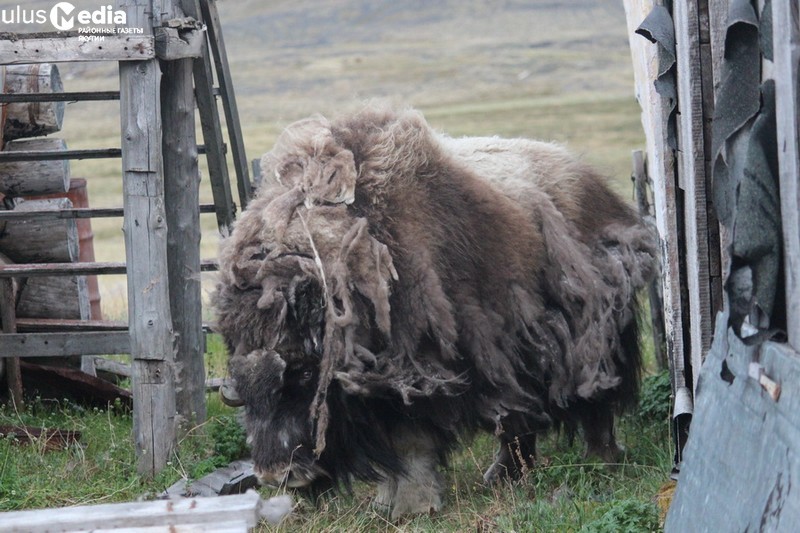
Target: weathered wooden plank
(29, 325)
(661, 168)
(182, 198)
(64, 344)
(166, 513)
(786, 46)
(145, 230)
(232, 526)
(74, 48)
(693, 167)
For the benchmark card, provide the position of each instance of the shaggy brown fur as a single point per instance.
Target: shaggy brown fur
(414, 279)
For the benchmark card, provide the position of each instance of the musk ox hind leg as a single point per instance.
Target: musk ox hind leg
(515, 456)
(418, 489)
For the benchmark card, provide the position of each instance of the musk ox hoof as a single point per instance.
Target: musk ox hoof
(405, 496)
(611, 454)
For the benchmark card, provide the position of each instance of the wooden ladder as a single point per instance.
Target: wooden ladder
(180, 44)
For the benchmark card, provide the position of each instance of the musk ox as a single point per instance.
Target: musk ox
(390, 291)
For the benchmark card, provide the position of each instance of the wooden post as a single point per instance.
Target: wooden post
(9, 319)
(661, 168)
(182, 199)
(693, 170)
(145, 228)
(786, 39)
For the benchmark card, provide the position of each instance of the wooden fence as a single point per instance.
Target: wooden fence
(175, 57)
(717, 81)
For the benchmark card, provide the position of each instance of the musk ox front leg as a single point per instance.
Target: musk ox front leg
(418, 489)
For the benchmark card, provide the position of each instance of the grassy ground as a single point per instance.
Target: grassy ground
(564, 492)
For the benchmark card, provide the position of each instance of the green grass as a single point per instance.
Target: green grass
(564, 492)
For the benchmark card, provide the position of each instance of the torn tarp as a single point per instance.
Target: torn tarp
(757, 226)
(659, 28)
(736, 102)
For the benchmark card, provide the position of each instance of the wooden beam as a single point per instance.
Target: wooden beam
(691, 156)
(182, 198)
(64, 344)
(85, 212)
(59, 97)
(786, 46)
(135, 516)
(86, 269)
(76, 48)
(145, 230)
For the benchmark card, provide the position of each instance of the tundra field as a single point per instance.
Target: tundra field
(547, 70)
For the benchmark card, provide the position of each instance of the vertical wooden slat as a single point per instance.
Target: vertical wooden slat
(211, 18)
(786, 46)
(182, 201)
(145, 229)
(692, 167)
(661, 168)
(212, 129)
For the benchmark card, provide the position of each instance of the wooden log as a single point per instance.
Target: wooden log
(182, 200)
(78, 194)
(145, 230)
(55, 297)
(45, 241)
(33, 119)
(23, 178)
